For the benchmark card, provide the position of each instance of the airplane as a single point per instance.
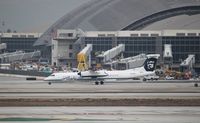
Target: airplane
(99, 76)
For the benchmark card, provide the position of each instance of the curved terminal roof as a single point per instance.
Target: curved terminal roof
(113, 15)
(178, 22)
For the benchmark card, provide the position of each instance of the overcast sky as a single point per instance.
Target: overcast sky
(34, 15)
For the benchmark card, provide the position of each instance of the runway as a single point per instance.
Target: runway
(17, 91)
(20, 87)
(53, 95)
(100, 114)
(114, 102)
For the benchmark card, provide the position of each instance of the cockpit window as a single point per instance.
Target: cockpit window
(52, 74)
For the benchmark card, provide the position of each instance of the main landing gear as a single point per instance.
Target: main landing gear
(196, 85)
(97, 83)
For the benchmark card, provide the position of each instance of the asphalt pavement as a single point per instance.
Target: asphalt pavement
(100, 114)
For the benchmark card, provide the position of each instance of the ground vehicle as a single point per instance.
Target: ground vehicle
(169, 78)
(43, 61)
(150, 77)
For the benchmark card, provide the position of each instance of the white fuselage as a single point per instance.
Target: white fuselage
(99, 75)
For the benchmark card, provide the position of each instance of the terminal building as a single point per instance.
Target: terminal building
(107, 23)
(114, 15)
(68, 43)
(18, 47)
(129, 15)
(22, 42)
(19, 41)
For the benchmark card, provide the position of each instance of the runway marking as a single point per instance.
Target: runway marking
(22, 119)
(25, 119)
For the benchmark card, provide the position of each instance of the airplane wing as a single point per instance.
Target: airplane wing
(93, 74)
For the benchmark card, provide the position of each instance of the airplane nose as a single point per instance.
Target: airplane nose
(46, 79)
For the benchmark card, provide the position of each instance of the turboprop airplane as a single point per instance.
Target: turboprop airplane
(100, 75)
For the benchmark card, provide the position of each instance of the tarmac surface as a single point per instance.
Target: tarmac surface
(158, 98)
(100, 114)
(17, 91)
(19, 85)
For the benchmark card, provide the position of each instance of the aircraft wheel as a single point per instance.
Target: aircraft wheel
(49, 83)
(101, 82)
(144, 79)
(96, 83)
(195, 84)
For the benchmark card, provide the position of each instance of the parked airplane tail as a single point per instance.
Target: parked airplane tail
(150, 64)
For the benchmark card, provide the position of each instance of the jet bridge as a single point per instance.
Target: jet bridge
(167, 55)
(112, 53)
(3, 46)
(83, 56)
(188, 63)
(18, 56)
(108, 55)
(132, 62)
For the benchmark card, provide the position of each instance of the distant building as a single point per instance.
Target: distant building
(68, 43)
(114, 15)
(63, 48)
(19, 41)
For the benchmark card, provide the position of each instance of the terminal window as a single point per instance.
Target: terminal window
(144, 35)
(180, 34)
(66, 34)
(70, 55)
(154, 35)
(111, 35)
(15, 36)
(70, 34)
(70, 46)
(22, 36)
(134, 35)
(101, 35)
(191, 34)
(30, 36)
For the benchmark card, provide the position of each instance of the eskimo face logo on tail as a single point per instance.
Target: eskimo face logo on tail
(150, 64)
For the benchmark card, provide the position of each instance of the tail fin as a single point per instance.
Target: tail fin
(150, 64)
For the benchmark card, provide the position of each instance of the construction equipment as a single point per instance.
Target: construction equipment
(186, 69)
(83, 56)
